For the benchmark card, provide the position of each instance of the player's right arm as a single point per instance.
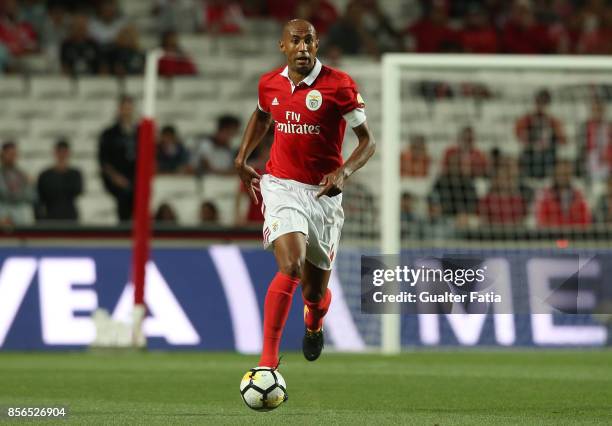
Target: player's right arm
(256, 129)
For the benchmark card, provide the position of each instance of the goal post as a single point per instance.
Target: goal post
(390, 190)
(561, 66)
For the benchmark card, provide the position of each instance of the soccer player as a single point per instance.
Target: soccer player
(310, 105)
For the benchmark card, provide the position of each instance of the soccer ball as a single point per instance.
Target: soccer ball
(263, 389)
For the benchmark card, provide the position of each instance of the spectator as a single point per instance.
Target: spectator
(522, 34)
(16, 35)
(473, 161)
(214, 154)
(257, 8)
(566, 32)
(360, 211)
(174, 61)
(125, 56)
(320, 13)
(34, 12)
(17, 193)
(282, 10)
(349, 35)
(222, 17)
(456, 190)
(5, 59)
(117, 158)
(55, 29)
(478, 35)
(79, 54)
(435, 214)
(603, 210)
(504, 204)
(406, 210)
(107, 23)
(435, 226)
(59, 186)
(432, 33)
(173, 15)
(595, 37)
(409, 223)
(595, 144)
(562, 205)
(208, 213)
(70, 5)
(415, 160)
(257, 160)
(165, 214)
(540, 133)
(378, 25)
(172, 156)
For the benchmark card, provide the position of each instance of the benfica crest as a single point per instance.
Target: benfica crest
(314, 100)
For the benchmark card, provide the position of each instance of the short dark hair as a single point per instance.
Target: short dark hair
(227, 120)
(168, 129)
(8, 144)
(209, 205)
(62, 144)
(543, 95)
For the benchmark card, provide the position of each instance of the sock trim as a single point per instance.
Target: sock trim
(284, 276)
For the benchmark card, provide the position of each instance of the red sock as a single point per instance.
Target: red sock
(276, 309)
(315, 311)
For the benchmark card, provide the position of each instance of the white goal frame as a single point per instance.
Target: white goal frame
(392, 63)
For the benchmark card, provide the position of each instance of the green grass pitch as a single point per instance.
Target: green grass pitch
(423, 387)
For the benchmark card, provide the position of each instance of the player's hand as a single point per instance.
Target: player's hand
(250, 178)
(332, 183)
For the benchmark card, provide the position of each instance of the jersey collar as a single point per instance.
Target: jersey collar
(309, 79)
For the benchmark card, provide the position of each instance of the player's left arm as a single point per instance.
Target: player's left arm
(333, 183)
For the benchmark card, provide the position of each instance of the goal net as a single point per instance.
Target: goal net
(501, 159)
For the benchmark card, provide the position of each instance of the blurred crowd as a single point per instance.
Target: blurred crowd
(52, 196)
(518, 27)
(94, 37)
(539, 184)
(82, 38)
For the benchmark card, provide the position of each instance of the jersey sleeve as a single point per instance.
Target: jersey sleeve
(262, 101)
(350, 103)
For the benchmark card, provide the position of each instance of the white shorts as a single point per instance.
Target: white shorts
(291, 206)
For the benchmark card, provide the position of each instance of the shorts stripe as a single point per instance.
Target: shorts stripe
(266, 234)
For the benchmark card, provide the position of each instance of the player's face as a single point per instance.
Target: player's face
(300, 45)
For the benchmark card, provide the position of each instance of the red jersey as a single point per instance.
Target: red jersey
(171, 65)
(502, 209)
(310, 120)
(475, 161)
(552, 210)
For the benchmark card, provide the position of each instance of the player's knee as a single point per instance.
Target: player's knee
(293, 268)
(311, 293)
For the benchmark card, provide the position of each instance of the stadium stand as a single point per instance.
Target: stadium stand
(40, 107)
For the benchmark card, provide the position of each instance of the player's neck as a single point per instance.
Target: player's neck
(297, 77)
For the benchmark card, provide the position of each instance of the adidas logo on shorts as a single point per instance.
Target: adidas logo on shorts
(275, 101)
